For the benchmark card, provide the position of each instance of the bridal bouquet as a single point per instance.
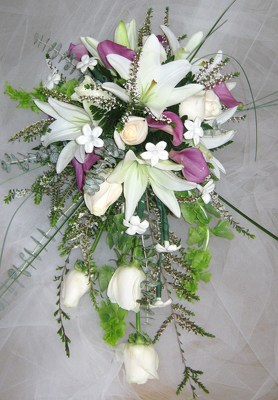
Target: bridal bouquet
(128, 138)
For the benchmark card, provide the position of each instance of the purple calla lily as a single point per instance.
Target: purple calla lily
(225, 96)
(78, 50)
(195, 166)
(176, 131)
(108, 47)
(81, 169)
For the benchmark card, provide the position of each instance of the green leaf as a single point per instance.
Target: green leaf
(201, 214)
(112, 320)
(104, 275)
(222, 229)
(68, 87)
(211, 210)
(197, 235)
(188, 212)
(205, 276)
(198, 259)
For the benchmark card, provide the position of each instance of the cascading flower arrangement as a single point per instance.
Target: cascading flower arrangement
(124, 144)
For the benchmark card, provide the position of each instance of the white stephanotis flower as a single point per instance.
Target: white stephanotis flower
(86, 62)
(167, 248)
(52, 80)
(194, 130)
(206, 191)
(155, 152)
(160, 304)
(90, 138)
(135, 226)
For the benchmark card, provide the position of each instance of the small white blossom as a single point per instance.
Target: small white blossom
(194, 130)
(90, 138)
(135, 226)
(155, 152)
(167, 248)
(52, 80)
(160, 304)
(206, 191)
(86, 62)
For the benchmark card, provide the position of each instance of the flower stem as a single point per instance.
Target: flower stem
(138, 321)
(98, 236)
(164, 236)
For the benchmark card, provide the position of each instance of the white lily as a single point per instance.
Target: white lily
(156, 83)
(214, 138)
(88, 88)
(68, 124)
(136, 174)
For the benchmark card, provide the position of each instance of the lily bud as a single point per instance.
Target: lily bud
(124, 287)
(141, 363)
(101, 200)
(75, 285)
(135, 131)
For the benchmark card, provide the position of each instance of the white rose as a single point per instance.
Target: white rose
(141, 363)
(135, 131)
(75, 285)
(193, 107)
(204, 105)
(124, 287)
(99, 202)
(212, 105)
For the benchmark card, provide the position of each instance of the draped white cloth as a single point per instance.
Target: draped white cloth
(239, 305)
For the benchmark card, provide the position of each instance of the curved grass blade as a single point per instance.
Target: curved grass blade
(272, 235)
(41, 245)
(213, 29)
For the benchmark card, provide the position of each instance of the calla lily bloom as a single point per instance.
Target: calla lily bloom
(225, 96)
(176, 130)
(82, 168)
(136, 174)
(78, 50)
(195, 167)
(69, 122)
(156, 83)
(108, 47)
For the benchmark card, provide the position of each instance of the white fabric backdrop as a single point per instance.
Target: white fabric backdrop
(239, 305)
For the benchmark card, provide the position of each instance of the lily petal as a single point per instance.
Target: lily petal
(172, 39)
(216, 138)
(167, 197)
(61, 130)
(69, 112)
(132, 34)
(91, 45)
(194, 41)
(134, 187)
(116, 90)
(108, 48)
(66, 155)
(120, 35)
(226, 115)
(46, 108)
(181, 93)
(170, 181)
